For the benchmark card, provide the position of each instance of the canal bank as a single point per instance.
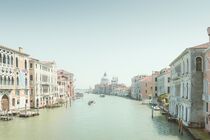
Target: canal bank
(111, 118)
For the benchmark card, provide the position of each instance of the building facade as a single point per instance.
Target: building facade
(187, 86)
(65, 85)
(135, 86)
(146, 88)
(163, 81)
(14, 80)
(43, 83)
(206, 86)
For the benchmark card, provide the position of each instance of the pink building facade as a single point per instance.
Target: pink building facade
(146, 88)
(66, 84)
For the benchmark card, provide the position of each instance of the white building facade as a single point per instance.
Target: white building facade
(163, 82)
(14, 83)
(43, 82)
(187, 86)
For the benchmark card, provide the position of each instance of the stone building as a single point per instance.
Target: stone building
(65, 85)
(135, 86)
(43, 83)
(206, 86)
(113, 88)
(104, 86)
(146, 88)
(187, 86)
(14, 79)
(163, 81)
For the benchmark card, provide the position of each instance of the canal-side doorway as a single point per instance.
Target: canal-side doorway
(5, 103)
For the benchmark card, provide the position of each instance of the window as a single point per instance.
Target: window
(186, 115)
(26, 64)
(155, 88)
(168, 89)
(12, 81)
(31, 65)
(13, 101)
(4, 59)
(207, 107)
(16, 62)
(9, 81)
(0, 80)
(17, 81)
(187, 66)
(31, 77)
(198, 64)
(0, 58)
(156, 79)
(8, 59)
(169, 79)
(187, 91)
(18, 101)
(11, 60)
(26, 101)
(26, 82)
(5, 80)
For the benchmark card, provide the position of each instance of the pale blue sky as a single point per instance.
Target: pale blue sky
(89, 37)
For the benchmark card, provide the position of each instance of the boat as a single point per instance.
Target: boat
(91, 102)
(102, 95)
(156, 108)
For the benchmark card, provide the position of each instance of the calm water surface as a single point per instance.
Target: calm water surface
(111, 118)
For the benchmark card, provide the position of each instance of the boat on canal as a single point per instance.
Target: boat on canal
(91, 102)
(102, 95)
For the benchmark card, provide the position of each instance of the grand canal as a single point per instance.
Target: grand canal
(111, 118)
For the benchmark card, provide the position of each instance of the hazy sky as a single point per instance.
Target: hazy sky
(89, 37)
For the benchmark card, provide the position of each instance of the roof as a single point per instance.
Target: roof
(202, 46)
(6, 48)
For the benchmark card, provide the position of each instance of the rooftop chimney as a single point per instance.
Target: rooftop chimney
(208, 30)
(20, 49)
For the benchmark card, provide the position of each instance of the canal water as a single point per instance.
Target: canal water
(111, 118)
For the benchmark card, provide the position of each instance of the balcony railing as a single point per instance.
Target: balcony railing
(7, 87)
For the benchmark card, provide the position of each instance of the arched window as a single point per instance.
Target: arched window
(17, 81)
(11, 60)
(26, 82)
(9, 81)
(8, 59)
(183, 67)
(4, 59)
(12, 81)
(198, 64)
(26, 64)
(16, 62)
(0, 58)
(0, 80)
(188, 66)
(5, 80)
(187, 92)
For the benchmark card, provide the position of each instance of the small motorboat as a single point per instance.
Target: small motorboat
(91, 102)
(102, 95)
(156, 108)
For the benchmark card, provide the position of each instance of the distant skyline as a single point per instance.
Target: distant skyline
(123, 38)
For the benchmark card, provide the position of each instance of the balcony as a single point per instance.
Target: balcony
(6, 86)
(206, 97)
